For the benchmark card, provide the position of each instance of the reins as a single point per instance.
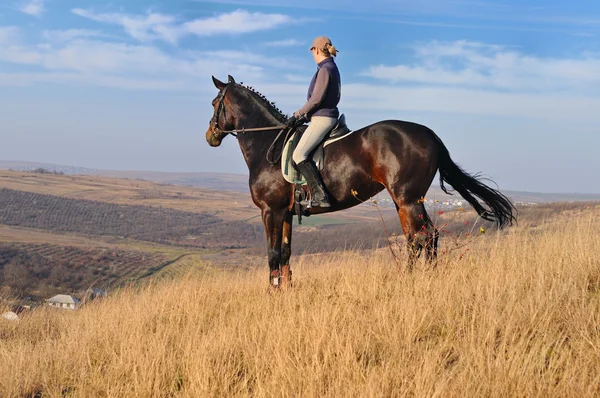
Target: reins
(272, 147)
(243, 129)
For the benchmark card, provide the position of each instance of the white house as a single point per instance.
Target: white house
(64, 301)
(10, 316)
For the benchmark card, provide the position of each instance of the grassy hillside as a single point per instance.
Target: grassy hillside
(62, 234)
(147, 238)
(508, 314)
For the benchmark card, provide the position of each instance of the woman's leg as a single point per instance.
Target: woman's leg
(314, 134)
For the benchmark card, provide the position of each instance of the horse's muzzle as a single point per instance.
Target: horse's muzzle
(213, 138)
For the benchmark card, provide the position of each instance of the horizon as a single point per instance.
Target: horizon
(511, 89)
(434, 184)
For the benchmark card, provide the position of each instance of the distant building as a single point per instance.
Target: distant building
(64, 301)
(10, 316)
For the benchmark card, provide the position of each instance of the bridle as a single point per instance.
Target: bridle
(214, 122)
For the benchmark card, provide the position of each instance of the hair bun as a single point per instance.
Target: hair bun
(332, 50)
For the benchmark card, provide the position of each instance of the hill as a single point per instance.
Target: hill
(39, 264)
(57, 230)
(153, 227)
(145, 223)
(229, 205)
(239, 182)
(43, 270)
(507, 314)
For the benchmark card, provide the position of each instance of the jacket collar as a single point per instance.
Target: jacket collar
(325, 61)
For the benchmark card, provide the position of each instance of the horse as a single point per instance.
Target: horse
(399, 156)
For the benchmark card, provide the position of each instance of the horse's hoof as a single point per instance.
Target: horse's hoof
(274, 279)
(272, 290)
(286, 277)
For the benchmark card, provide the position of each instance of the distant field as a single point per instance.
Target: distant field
(228, 205)
(43, 270)
(39, 263)
(146, 223)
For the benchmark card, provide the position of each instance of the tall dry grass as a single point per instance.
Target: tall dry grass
(519, 315)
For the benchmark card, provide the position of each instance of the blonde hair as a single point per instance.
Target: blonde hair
(329, 50)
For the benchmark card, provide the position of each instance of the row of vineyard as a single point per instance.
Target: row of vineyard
(45, 269)
(153, 224)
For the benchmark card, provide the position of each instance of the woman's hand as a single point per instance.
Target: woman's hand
(294, 121)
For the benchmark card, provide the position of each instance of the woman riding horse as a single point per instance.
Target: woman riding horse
(324, 93)
(399, 156)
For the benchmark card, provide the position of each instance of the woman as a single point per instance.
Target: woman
(321, 110)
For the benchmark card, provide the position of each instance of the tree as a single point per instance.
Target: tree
(17, 275)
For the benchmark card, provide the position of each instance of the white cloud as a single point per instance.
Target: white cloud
(143, 28)
(154, 26)
(8, 34)
(238, 21)
(284, 43)
(98, 63)
(34, 7)
(477, 65)
(70, 34)
(75, 57)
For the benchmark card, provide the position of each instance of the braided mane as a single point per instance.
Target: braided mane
(275, 111)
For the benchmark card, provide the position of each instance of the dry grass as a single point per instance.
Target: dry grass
(518, 316)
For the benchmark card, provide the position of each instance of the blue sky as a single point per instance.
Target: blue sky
(511, 87)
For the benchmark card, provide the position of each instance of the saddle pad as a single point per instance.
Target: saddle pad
(287, 167)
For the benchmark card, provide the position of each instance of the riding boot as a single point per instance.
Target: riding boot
(313, 178)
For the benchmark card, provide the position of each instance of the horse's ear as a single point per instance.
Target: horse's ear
(218, 84)
(231, 79)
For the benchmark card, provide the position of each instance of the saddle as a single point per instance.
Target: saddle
(339, 130)
(291, 174)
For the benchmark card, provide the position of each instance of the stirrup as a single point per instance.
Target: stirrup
(308, 204)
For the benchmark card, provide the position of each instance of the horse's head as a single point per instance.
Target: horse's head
(222, 118)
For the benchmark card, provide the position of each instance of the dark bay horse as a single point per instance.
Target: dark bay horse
(399, 156)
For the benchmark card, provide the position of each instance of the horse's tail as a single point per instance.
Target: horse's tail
(469, 187)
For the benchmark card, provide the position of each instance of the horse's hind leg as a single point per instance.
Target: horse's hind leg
(432, 244)
(418, 230)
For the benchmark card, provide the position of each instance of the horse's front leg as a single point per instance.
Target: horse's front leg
(273, 221)
(286, 250)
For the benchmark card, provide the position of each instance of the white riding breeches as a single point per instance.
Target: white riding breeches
(315, 132)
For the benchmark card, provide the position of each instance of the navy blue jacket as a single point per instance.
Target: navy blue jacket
(324, 91)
